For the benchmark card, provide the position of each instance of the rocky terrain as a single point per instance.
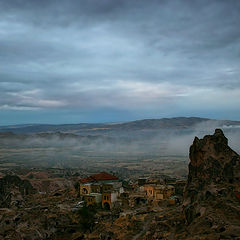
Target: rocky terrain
(211, 202)
(13, 190)
(210, 207)
(28, 213)
(211, 198)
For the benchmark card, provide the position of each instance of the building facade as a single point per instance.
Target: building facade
(102, 189)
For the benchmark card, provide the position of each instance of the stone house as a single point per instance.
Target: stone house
(104, 186)
(159, 192)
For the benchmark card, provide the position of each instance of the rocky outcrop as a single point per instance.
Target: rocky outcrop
(211, 201)
(212, 161)
(211, 196)
(12, 190)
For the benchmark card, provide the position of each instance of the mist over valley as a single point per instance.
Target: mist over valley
(141, 146)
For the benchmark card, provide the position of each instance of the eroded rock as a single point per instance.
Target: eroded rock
(13, 189)
(214, 175)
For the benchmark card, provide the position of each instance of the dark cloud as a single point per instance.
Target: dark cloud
(138, 56)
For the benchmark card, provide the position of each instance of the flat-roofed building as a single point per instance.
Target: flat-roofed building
(159, 192)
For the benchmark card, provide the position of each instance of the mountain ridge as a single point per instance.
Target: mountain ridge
(162, 123)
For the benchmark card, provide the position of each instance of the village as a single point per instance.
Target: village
(74, 205)
(107, 191)
(78, 204)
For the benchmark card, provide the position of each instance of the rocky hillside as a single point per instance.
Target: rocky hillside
(211, 201)
(27, 214)
(210, 209)
(13, 190)
(211, 198)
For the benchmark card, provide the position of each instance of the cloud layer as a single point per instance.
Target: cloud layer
(141, 58)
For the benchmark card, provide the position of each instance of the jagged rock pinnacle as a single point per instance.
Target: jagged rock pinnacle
(213, 164)
(218, 131)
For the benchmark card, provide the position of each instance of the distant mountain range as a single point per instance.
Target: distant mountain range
(179, 123)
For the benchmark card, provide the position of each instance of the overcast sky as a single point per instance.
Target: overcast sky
(117, 60)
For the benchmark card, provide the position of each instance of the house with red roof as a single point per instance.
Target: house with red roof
(100, 177)
(104, 184)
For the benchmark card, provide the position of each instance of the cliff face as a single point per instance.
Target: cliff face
(211, 194)
(212, 161)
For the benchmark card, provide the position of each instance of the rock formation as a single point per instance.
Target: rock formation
(13, 189)
(211, 201)
(211, 196)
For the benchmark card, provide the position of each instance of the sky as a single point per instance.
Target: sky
(72, 61)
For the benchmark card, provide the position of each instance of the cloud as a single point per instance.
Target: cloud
(120, 54)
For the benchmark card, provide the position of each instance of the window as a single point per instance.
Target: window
(85, 191)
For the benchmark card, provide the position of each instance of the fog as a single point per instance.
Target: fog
(130, 143)
(179, 145)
